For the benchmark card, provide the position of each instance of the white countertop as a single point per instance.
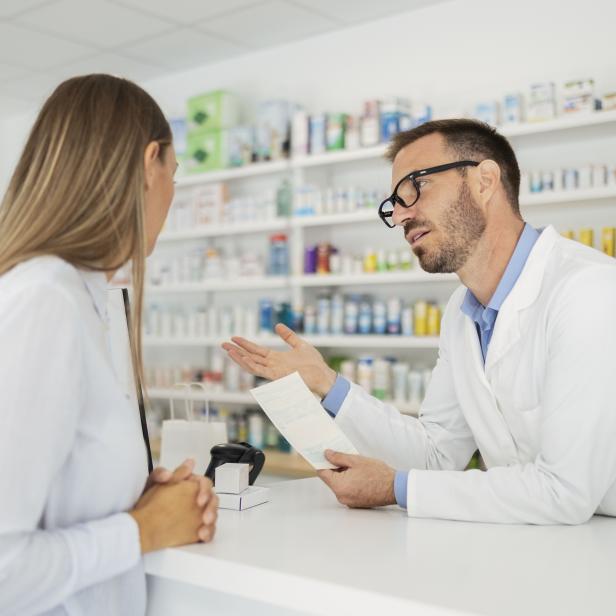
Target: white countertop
(305, 551)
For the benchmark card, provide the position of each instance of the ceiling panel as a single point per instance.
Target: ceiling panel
(268, 24)
(183, 48)
(96, 22)
(362, 10)
(10, 8)
(24, 48)
(187, 11)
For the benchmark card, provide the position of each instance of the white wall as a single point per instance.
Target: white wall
(451, 54)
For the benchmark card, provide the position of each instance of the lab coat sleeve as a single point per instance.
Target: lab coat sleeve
(40, 401)
(576, 463)
(439, 439)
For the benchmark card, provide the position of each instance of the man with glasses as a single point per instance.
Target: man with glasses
(525, 372)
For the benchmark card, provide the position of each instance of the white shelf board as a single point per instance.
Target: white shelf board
(563, 122)
(340, 156)
(206, 341)
(374, 342)
(234, 173)
(244, 227)
(365, 215)
(238, 284)
(560, 123)
(177, 393)
(357, 341)
(240, 397)
(567, 196)
(415, 277)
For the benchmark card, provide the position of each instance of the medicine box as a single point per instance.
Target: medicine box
(212, 111)
(250, 497)
(206, 151)
(231, 478)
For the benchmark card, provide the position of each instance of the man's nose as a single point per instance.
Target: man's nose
(401, 214)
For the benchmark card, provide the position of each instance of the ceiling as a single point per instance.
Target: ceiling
(42, 42)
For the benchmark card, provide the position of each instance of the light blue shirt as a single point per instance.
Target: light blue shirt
(485, 320)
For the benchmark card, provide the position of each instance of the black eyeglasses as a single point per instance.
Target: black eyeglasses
(407, 191)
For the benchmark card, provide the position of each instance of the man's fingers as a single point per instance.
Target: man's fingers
(288, 335)
(327, 476)
(210, 512)
(251, 347)
(341, 460)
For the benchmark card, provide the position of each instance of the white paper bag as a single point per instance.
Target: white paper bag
(190, 437)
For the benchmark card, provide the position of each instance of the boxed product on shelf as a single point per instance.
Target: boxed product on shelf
(241, 145)
(273, 128)
(608, 101)
(578, 95)
(488, 112)
(541, 104)
(335, 131)
(392, 110)
(370, 124)
(212, 111)
(317, 133)
(300, 133)
(207, 150)
(512, 109)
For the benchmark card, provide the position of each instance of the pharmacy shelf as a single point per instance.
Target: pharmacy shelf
(560, 123)
(368, 341)
(370, 215)
(237, 284)
(235, 173)
(372, 341)
(198, 395)
(337, 157)
(413, 277)
(207, 341)
(568, 196)
(243, 227)
(240, 398)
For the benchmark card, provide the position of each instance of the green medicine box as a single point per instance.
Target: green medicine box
(207, 151)
(212, 111)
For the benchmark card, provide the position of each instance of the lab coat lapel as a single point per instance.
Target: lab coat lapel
(507, 331)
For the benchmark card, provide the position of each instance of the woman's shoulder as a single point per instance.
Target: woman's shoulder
(41, 276)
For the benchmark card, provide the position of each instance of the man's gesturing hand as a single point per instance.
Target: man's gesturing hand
(269, 364)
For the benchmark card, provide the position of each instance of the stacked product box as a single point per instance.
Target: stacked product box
(209, 118)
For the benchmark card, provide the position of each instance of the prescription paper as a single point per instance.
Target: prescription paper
(297, 414)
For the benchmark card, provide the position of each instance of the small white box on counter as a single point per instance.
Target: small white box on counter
(250, 497)
(231, 478)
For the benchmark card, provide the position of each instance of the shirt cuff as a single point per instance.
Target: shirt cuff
(401, 487)
(336, 395)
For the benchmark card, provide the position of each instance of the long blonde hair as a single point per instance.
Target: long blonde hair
(78, 189)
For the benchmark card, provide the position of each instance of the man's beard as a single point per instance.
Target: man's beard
(461, 229)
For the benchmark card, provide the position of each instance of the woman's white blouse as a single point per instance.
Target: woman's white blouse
(72, 457)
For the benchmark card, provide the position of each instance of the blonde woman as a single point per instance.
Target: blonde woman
(90, 193)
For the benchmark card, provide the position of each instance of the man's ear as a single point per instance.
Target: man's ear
(150, 159)
(489, 175)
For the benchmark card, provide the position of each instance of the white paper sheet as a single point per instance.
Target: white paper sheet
(297, 414)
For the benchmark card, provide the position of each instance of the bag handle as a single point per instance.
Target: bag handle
(190, 416)
(205, 397)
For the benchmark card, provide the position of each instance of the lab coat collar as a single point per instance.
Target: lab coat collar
(96, 284)
(525, 291)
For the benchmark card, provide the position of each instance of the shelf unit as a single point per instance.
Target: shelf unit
(240, 398)
(358, 341)
(513, 131)
(296, 285)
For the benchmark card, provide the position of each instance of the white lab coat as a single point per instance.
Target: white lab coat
(542, 411)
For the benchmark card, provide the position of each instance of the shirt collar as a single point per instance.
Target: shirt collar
(472, 307)
(96, 284)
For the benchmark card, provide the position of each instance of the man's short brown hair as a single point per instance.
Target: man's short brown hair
(469, 140)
